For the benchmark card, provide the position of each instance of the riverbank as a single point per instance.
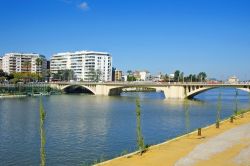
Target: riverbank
(229, 145)
(12, 96)
(5, 96)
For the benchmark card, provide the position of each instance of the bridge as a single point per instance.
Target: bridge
(170, 90)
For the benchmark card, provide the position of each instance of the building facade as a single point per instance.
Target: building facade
(118, 75)
(233, 80)
(86, 65)
(24, 62)
(144, 76)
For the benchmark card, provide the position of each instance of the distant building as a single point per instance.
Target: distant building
(118, 75)
(85, 65)
(171, 77)
(1, 63)
(125, 78)
(158, 78)
(23, 62)
(113, 73)
(137, 75)
(48, 65)
(233, 80)
(144, 75)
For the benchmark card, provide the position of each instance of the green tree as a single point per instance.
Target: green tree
(181, 77)
(177, 75)
(236, 101)
(219, 105)
(42, 134)
(27, 66)
(140, 140)
(129, 72)
(98, 75)
(39, 63)
(131, 78)
(187, 116)
(95, 75)
(202, 76)
(166, 78)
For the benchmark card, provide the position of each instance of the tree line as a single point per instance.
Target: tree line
(180, 77)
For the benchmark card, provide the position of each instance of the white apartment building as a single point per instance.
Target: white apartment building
(85, 64)
(144, 75)
(23, 62)
(233, 80)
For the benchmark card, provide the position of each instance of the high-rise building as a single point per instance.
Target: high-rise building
(24, 62)
(86, 65)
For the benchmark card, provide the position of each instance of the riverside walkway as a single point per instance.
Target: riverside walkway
(227, 146)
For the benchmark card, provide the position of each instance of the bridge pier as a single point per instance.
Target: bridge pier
(173, 92)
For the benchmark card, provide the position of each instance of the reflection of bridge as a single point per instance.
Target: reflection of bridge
(173, 90)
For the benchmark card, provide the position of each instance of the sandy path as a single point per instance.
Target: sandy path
(218, 144)
(229, 146)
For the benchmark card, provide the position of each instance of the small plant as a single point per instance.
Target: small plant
(199, 131)
(140, 141)
(124, 152)
(218, 111)
(236, 102)
(42, 134)
(232, 119)
(187, 117)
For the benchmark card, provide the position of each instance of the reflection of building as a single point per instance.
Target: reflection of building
(85, 64)
(118, 75)
(23, 62)
(233, 80)
(1, 61)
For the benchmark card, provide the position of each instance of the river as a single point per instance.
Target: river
(83, 128)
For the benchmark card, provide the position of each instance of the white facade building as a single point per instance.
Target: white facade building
(233, 80)
(144, 75)
(23, 62)
(85, 64)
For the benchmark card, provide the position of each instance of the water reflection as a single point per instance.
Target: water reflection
(82, 128)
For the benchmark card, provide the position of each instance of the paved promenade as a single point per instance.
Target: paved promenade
(227, 146)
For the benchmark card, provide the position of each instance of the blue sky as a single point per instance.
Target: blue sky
(157, 35)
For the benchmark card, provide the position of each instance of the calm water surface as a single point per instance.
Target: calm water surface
(83, 128)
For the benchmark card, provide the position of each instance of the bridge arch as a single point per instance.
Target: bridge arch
(118, 90)
(88, 89)
(202, 89)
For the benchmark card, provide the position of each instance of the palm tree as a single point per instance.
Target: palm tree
(129, 72)
(27, 66)
(39, 63)
(177, 75)
(202, 76)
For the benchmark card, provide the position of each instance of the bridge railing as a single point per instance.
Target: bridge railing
(152, 83)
